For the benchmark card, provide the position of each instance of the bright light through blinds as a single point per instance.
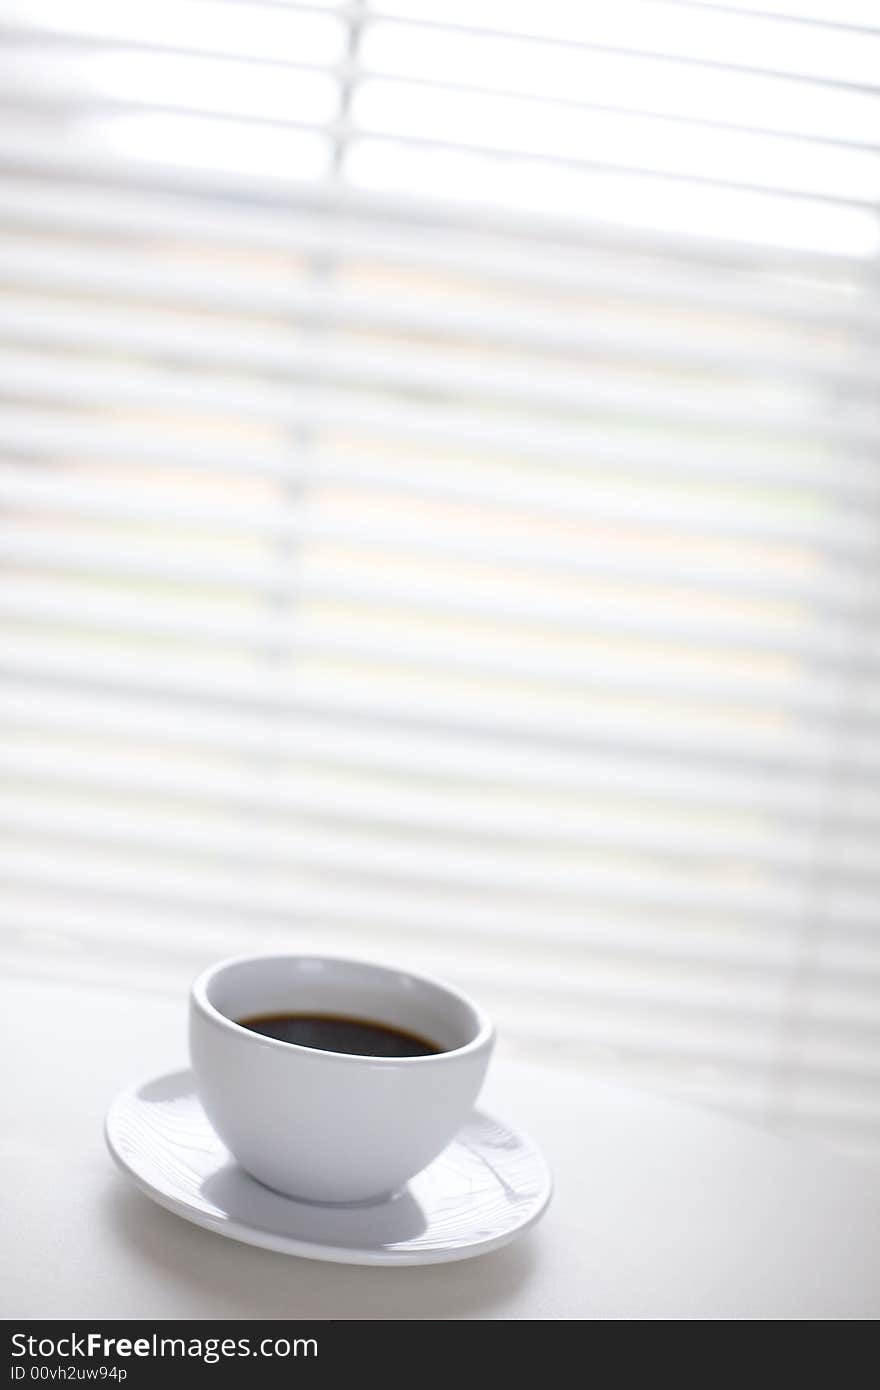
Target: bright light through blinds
(439, 485)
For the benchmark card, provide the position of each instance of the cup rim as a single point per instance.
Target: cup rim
(484, 1035)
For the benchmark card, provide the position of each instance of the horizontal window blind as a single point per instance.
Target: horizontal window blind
(440, 514)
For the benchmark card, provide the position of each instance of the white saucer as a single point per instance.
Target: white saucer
(485, 1188)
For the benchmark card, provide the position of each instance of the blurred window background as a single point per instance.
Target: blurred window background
(439, 515)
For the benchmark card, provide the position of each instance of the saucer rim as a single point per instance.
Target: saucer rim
(246, 1234)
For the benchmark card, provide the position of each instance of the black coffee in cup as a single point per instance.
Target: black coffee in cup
(339, 1033)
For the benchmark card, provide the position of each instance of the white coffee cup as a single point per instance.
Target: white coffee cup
(333, 1126)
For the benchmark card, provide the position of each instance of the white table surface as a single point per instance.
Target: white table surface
(661, 1210)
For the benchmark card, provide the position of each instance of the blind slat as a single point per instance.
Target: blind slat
(776, 850)
(43, 270)
(655, 105)
(783, 747)
(310, 739)
(59, 381)
(33, 153)
(826, 637)
(652, 274)
(545, 492)
(716, 944)
(579, 42)
(437, 374)
(300, 637)
(672, 168)
(829, 578)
